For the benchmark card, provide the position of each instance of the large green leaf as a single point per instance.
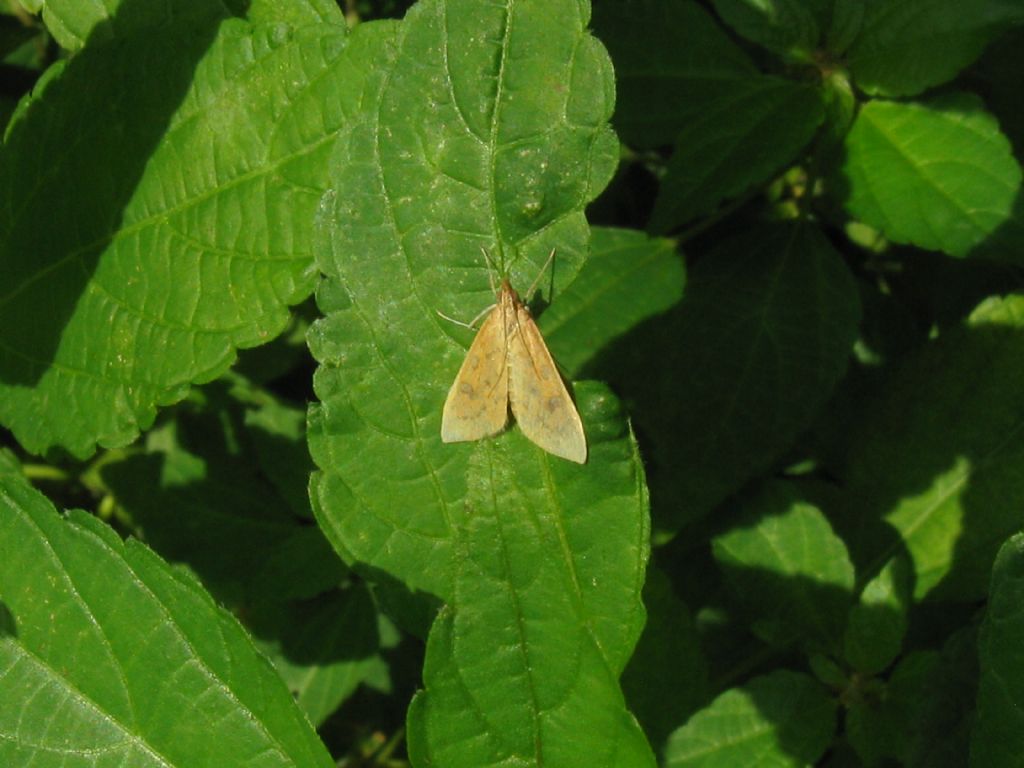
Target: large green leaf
(998, 736)
(934, 468)
(751, 129)
(483, 126)
(939, 175)
(74, 24)
(779, 720)
(671, 60)
(788, 569)
(112, 657)
(527, 659)
(756, 346)
(184, 221)
(906, 46)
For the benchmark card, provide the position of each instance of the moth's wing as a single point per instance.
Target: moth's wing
(540, 402)
(477, 404)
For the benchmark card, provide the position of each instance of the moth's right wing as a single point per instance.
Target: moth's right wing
(477, 404)
(540, 402)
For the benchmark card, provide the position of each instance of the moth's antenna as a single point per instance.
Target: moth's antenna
(491, 269)
(551, 257)
(472, 323)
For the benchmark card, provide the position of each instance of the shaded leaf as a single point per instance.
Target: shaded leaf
(666, 680)
(906, 46)
(997, 739)
(324, 648)
(781, 719)
(627, 278)
(201, 494)
(198, 495)
(748, 132)
(933, 469)
(671, 60)
(788, 27)
(944, 711)
(844, 28)
(884, 723)
(278, 434)
(758, 342)
(788, 569)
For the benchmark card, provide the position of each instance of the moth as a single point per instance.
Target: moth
(508, 368)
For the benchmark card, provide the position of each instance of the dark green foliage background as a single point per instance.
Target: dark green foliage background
(787, 292)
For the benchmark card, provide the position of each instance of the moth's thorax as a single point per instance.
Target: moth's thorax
(510, 306)
(507, 294)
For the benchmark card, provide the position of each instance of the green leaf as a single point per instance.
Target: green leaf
(742, 137)
(781, 719)
(906, 46)
(787, 27)
(998, 736)
(666, 680)
(484, 127)
(627, 278)
(759, 340)
(671, 60)
(878, 622)
(939, 175)
(160, 268)
(788, 569)
(528, 656)
(933, 469)
(108, 651)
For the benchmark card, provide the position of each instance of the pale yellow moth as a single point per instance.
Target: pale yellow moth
(509, 367)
